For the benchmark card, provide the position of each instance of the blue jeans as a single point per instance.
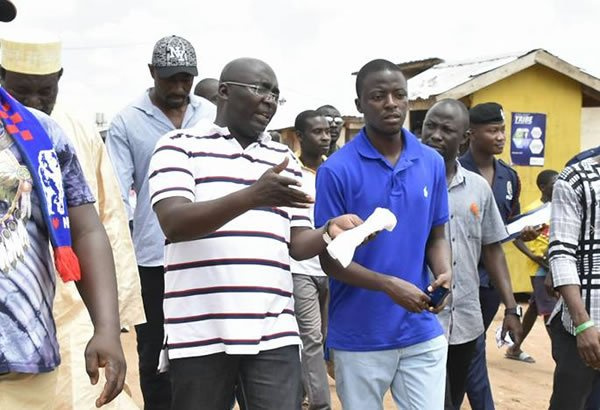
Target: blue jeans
(269, 380)
(416, 375)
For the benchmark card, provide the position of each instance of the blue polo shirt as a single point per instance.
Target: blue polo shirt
(506, 187)
(357, 179)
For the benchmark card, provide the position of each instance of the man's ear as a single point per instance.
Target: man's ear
(358, 106)
(151, 69)
(298, 135)
(465, 136)
(223, 92)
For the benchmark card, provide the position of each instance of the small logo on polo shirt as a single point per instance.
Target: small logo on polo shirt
(425, 192)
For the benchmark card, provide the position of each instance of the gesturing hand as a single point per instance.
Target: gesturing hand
(272, 189)
(104, 350)
(407, 295)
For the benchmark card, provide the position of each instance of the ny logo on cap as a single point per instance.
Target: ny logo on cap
(177, 53)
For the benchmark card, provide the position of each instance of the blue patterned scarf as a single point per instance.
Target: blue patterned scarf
(39, 156)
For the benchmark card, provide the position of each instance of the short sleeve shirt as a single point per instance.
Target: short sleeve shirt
(231, 290)
(358, 179)
(311, 266)
(474, 221)
(506, 187)
(28, 337)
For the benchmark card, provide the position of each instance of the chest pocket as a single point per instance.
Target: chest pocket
(470, 222)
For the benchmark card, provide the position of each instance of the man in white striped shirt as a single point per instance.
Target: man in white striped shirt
(224, 197)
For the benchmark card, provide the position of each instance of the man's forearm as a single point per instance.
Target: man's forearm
(184, 220)
(354, 274)
(572, 296)
(98, 285)
(438, 253)
(524, 249)
(306, 243)
(494, 262)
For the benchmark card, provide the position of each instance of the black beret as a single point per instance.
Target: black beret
(486, 113)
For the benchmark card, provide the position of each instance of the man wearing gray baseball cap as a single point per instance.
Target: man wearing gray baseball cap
(131, 138)
(173, 55)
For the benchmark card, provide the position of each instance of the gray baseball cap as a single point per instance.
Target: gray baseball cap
(173, 55)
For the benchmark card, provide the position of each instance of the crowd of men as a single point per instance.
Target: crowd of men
(235, 297)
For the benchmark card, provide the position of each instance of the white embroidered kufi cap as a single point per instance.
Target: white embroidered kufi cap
(31, 56)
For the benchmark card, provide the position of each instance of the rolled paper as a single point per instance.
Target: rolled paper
(342, 248)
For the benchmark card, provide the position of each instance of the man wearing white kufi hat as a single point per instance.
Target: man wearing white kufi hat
(45, 200)
(30, 72)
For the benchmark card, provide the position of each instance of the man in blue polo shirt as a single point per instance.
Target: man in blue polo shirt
(382, 333)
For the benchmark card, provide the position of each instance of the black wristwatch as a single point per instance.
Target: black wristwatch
(517, 311)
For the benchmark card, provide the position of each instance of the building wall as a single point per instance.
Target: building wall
(538, 90)
(590, 128)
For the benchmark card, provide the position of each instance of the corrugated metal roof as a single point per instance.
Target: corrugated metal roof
(445, 76)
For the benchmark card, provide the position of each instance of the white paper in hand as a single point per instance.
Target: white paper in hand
(535, 217)
(343, 246)
(501, 342)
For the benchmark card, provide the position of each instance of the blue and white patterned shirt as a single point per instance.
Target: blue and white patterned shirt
(27, 332)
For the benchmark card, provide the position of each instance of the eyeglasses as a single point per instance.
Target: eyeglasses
(260, 91)
(334, 120)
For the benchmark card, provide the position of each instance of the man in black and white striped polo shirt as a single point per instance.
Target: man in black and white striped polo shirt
(225, 200)
(574, 255)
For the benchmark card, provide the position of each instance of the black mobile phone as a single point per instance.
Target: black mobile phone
(437, 296)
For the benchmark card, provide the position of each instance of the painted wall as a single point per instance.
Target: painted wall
(538, 90)
(590, 128)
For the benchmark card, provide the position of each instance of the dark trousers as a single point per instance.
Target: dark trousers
(478, 388)
(156, 388)
(269, 380)
(457, 367)
(593, 400)
(573, 380)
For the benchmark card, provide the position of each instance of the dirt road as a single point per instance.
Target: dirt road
(516, 385)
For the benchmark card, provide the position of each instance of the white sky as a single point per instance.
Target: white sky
(312, 45)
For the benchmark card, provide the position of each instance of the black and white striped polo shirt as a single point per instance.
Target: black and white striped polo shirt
(230, 291)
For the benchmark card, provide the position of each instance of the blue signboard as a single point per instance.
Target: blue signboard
(528, 139)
